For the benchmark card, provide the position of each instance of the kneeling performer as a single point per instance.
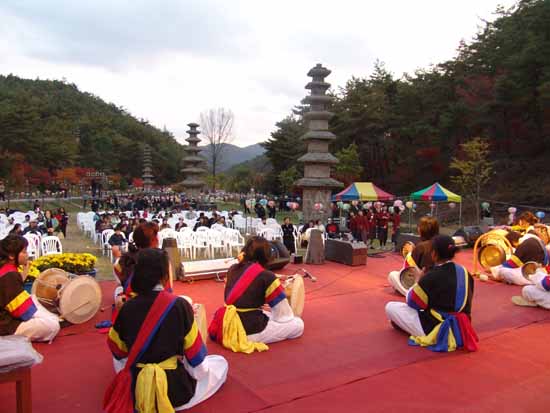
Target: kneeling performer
(437, 312)
(532, 248)
(241, 325)
(164, 361)
(20, 313)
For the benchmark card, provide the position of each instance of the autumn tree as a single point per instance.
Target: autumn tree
(473, 169)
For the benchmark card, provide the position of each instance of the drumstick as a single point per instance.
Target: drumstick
(308, 275)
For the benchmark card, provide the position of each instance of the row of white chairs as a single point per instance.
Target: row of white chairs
(45, 245)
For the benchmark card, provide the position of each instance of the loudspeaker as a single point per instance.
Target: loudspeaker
(470, 234)
(279, 256)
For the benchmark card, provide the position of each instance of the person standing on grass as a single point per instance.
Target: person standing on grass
(63, 220)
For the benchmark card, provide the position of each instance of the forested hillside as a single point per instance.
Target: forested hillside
(50, 125)
(408, 129)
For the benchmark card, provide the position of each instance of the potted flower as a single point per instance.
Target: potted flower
(80, 264)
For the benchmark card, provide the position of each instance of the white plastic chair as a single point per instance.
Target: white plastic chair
(51, 245)
(33, 249)
(200, 243)
(185, 243)
(215, 242)
(234, 240)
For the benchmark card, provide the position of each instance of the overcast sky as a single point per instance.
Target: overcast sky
(168, 60)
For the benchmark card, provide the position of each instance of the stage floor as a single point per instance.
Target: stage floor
(349, 358)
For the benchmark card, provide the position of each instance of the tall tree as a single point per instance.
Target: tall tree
(473, 170)
(349, 167)
(217, 128)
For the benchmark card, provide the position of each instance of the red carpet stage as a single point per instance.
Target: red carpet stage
(349, 359)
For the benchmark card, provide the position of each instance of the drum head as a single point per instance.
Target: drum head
(529, 268)
(409, 277)
(200, 319)
(80, 299)
(48, 284)
(407, 248)
(297, 295)
(491, 255)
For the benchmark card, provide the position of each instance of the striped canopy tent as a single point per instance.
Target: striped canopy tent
(362, 191)
(438, 193)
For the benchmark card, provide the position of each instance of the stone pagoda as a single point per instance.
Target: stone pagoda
(317, 185)
(147, 176)
(192, 164)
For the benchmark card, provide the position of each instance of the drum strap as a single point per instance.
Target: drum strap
(118, 397)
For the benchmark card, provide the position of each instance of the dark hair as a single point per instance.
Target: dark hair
(528, 217)
(257, 249)
(12, 245)
(151, 268)
(428, 227)
(119, 226)
(444, 247)
(513, 237)
(144, 235)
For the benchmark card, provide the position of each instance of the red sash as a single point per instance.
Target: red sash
(6, 268)
(118, 397)
(215, 330)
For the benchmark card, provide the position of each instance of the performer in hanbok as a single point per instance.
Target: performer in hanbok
(537, 294)
(437, 311)
(421, 256)
(162, 363)
(20, 313)
(533, 247)
(240, 324)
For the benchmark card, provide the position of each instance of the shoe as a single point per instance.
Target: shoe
(519, 300)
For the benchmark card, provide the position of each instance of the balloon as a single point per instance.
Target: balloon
(340, 204)
(271, 203)
(409, 204)
(540, 214)
(512, 210)
(432, 205)
(288, 204)
(452, 205)
(295, 205)
(354, 202)
(346, 207)
(263, 202)
(398, 203)
(402, 208)
(298, 198)
(390, 210)
(317, 206)
(369, 204)
(366, 206)
(485, 205)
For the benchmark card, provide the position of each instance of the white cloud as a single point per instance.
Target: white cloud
(168, 60)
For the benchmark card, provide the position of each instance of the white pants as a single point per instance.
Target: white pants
(210, 375)
(509, 275)
(395, 282)
(405, 317)
(278, 331)
(43, 326)
(536, 293)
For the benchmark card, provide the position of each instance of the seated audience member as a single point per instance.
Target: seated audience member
(118, 240)
(181, 224)
(165, 224)
(16, 230)
(157, 347)
(532, 247)
(421, 255)
(437, 312)
(20, 313)
(240, 324)
(33, 228)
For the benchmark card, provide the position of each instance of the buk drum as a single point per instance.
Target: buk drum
(409, 277)
(494, 249)
(199, 313)
(295, 293)
(75, 298)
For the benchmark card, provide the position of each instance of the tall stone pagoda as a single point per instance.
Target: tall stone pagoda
(317, 185)
(147, 176)
(192, 164)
